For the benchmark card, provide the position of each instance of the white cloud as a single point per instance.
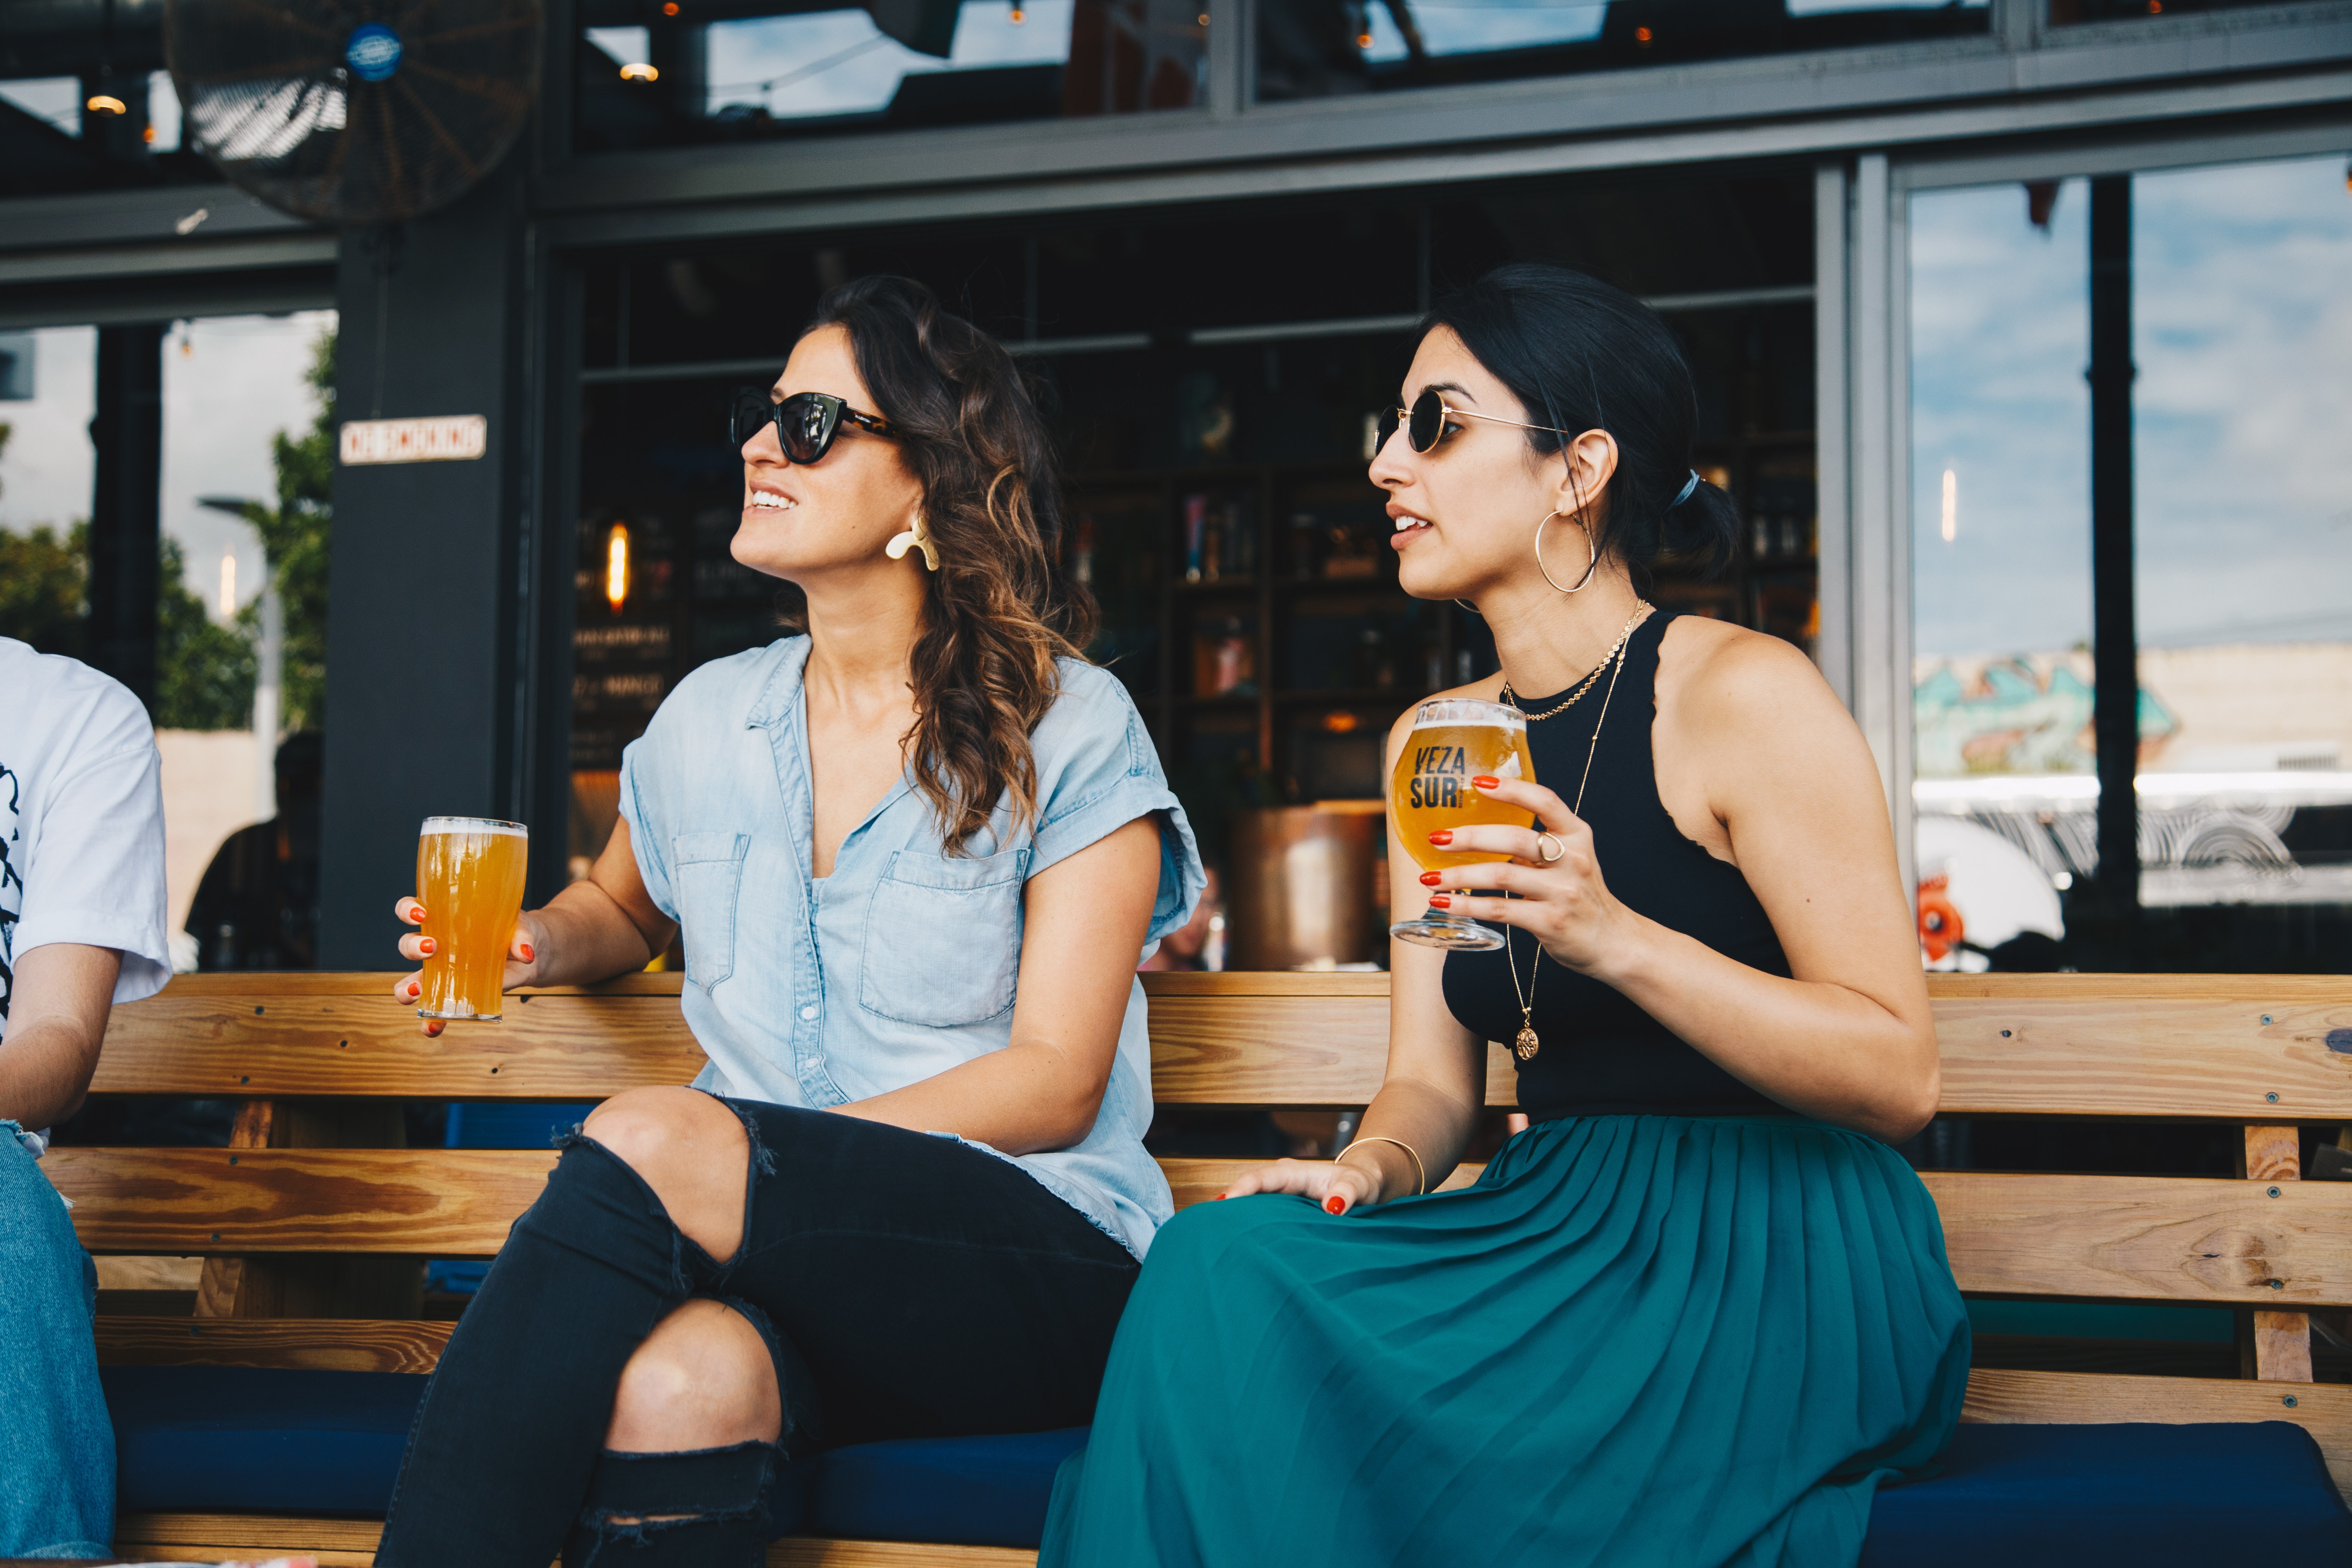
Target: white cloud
(230, 382)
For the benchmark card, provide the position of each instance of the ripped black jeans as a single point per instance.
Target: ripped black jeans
(906, 1285)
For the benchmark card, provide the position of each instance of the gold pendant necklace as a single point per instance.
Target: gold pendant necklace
(1641, 609)
(1527, 1044)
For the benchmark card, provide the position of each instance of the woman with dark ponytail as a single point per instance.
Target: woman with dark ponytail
(1699, 1311)
(917, 851)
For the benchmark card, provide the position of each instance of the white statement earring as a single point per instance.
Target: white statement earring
(1590, 566)
(916, 538)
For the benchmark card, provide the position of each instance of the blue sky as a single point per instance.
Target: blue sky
(2242, 334)
(1468, 26)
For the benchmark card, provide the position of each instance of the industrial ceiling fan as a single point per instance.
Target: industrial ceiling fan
(354, 112)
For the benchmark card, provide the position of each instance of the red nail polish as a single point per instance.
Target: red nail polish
(1334, 1206)
(415, 991)
(1442, 837)
(416, 913)
(434, 1028)
(1440, 902)
(528, 955)
(1430, 879)
(1220, 1197)
(1486, 781)
(425, 945)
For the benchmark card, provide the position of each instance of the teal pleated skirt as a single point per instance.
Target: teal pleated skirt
(1636, 1340)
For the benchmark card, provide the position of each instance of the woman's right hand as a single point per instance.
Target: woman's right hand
(522, 955)
(1336, 1185)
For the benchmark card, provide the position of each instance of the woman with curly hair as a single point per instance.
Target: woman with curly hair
(917, 851)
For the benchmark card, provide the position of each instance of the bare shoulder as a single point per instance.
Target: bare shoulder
(1487, 690)
(1717, 676)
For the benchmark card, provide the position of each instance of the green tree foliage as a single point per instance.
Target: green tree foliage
(45, 587)
(294, 536)
(44, 583)
(204, 671)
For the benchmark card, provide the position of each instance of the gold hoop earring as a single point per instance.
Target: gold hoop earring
(917, 538)
(1591, 567)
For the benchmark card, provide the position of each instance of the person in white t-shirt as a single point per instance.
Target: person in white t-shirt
(81, 928)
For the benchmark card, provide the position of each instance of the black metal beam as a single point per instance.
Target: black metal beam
(125, 512)
(2114, 638)
(427, 581)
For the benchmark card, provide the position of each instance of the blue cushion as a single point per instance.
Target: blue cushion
(974, 1492)
(225, 1437)
(2153, 1496)
(237, 1438)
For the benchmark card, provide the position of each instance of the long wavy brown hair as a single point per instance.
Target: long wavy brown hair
(1000, 609)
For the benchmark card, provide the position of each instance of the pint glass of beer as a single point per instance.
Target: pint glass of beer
(469, 879)
(1454, 741)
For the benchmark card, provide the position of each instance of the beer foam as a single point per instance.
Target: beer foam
(472, 825)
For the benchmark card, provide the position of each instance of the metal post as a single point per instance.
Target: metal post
(125, 517)
(2114, 638)
(1832, 450)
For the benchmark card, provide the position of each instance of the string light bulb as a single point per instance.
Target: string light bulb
(669, 7)
(1643, 36)
(616, 567)
(1018, 16)
(106, 104)
(639, 73)
(1363, 40)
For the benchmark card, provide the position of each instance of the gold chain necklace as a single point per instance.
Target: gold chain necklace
(1526, 1044)
(1641, 609)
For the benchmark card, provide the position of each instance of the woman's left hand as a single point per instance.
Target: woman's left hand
(1557, 894)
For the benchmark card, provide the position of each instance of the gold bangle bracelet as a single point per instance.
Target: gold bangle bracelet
(1420, 1171)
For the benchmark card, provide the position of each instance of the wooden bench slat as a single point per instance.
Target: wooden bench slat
(441, 1203)
(261, 1045)
(2079, 1398)
(2112, 1237)
(319, 1344)
(2146, 1056)
(2169, 1045)
(2147, 1238)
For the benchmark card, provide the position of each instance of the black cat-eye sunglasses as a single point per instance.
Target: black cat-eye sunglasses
(806, 422)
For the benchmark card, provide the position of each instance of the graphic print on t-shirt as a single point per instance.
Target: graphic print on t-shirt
(12, 887)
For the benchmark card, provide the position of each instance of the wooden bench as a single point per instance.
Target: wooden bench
(287, 1218)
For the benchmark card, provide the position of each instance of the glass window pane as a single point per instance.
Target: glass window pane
(2242, 335)
(2000, 560)
(791, 69)
(1319, 48)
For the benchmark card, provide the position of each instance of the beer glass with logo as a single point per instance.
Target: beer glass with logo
(469, 872)
(1454, 741)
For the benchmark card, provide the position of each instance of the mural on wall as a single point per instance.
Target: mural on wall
(2029, 714)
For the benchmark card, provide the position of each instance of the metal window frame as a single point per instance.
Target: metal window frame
(2017, 62)
(1862, 258)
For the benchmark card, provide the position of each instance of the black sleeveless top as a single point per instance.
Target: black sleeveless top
(1601, 1055)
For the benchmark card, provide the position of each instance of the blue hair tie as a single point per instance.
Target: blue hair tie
(1684, 493)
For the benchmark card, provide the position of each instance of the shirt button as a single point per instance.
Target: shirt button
(809, 1011)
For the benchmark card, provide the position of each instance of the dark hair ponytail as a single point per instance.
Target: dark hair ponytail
(1581, 355)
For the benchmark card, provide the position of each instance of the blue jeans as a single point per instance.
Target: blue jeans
(57, 1445)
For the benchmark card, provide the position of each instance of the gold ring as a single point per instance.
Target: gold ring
(1558, 848)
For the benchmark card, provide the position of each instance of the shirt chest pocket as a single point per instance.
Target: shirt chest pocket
(942, 942)
(706, 878)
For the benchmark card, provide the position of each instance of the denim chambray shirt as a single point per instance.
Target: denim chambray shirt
(902, 964)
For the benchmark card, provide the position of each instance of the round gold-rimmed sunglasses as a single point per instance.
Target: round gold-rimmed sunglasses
(1424, 422)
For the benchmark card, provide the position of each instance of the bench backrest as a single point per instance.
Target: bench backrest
(2262, 1054)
